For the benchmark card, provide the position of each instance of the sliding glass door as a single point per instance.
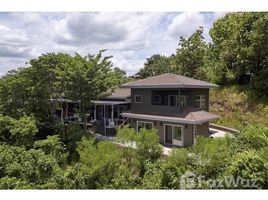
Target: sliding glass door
(173, 134)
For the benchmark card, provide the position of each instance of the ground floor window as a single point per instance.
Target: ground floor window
(142, 124)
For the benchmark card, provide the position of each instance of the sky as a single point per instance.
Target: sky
(130, 37)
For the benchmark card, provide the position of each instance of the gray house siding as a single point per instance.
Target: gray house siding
(146, 104)
(188, 130)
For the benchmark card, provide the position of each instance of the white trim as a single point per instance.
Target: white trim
(182, 133)
(137, 96)
(108, 103)
(167, 119)
(200, 100)
(145, 122)
(159, 118)
(179, 100)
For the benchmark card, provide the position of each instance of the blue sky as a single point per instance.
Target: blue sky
(130, 37)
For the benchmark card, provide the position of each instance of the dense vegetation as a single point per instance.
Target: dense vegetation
(38, 151)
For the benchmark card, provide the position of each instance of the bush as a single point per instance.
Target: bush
(250, 168)
(253, 136)
(52, 145)
(100, 161)
(211, 156)
(31, 166)
(19, 132)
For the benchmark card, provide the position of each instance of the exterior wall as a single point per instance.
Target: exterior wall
(146, 105)
(203, 129)
(188, 130)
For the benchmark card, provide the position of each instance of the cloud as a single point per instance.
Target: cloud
(14, 43)
(115, 30)
(129, 37)
(184, 24)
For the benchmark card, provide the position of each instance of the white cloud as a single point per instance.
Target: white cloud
(129, 37)
(115, 30)
(184, 24)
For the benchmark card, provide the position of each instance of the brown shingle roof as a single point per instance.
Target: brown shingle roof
(169, 80)
(120, 93)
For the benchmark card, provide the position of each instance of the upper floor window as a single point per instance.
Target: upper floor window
(172, 100)
(201, 101)
(156, 99)
(182, 101)
(138, 99)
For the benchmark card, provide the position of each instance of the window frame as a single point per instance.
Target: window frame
(135, 98)
(201, 101)
(156, 102)
(175, 100)
(144, 126)
(179, 101)
(180, 142)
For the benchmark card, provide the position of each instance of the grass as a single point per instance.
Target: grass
(238, 107)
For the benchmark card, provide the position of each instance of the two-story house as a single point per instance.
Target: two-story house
(175, 105)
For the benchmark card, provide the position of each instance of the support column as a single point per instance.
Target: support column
(95, 112)
(194, 133)
(179, 96)
(118, 113)
(104, 120)
(112, 114)
(66, 109)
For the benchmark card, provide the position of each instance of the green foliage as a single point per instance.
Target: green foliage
(189, 58)
(253, 136)
(166, 174)
(19, 132)
(125, 178)
(52, 145)
(248, 165)
(99, 162)
(71, 134)
(146, 142)
(155, 65)
(238, 107)
(212, 156)
(8, 183)
(240, 42)
(32, 166)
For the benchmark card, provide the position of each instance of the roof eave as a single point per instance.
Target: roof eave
(171, 86)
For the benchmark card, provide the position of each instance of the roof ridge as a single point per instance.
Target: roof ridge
(147, 78)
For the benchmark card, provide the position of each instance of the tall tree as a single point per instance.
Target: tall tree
(188, 59)
(57, 76)
(155, 65)
(240, 42)
(91, 78)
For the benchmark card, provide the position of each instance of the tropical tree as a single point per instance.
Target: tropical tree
(29, 169)
(189, 58)
(240, 43)
(155, 65)
(53, 146)
(19, 132)
(247, 170)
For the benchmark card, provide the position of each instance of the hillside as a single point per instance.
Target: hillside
(237, 107)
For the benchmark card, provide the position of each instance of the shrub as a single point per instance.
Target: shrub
(248, 168)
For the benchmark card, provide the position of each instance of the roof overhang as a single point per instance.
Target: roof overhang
(169, 118)
(117, 97)
(170, 86)
(110, 102)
